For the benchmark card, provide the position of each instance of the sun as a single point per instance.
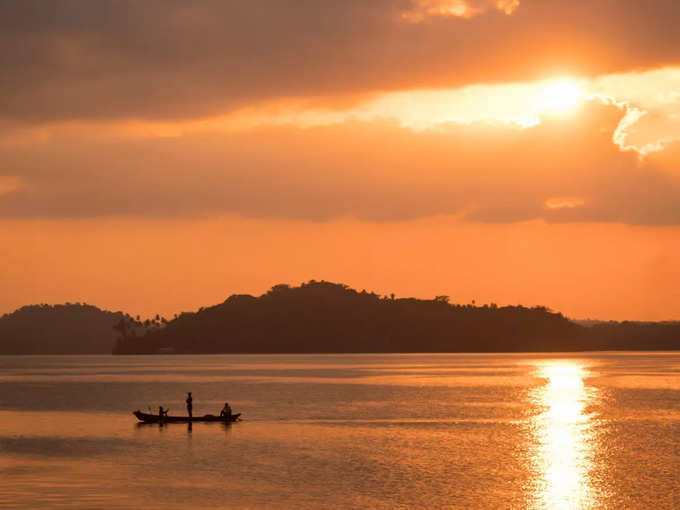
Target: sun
(558, 95)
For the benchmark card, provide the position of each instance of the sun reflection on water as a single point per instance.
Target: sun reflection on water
(564, 438)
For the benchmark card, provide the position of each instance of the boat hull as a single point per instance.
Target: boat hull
(154, 418)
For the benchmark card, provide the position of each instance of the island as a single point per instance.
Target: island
(326, 317)
(70, 328)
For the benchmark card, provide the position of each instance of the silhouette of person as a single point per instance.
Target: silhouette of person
(189, 404)
(162, 413)
(226, 411)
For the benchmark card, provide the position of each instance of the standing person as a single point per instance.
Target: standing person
(189, 405)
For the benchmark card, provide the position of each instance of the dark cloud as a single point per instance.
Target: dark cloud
(375, 171)
(170, 58)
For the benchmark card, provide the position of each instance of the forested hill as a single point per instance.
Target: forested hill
(322, 317)
(319, 317)
(58, 329)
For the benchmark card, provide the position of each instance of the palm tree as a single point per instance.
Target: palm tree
(122, 327)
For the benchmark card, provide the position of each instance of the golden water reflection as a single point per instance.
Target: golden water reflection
(564, 438)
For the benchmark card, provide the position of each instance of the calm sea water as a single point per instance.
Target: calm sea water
(343, 431)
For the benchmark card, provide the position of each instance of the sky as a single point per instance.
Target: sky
(159, 156)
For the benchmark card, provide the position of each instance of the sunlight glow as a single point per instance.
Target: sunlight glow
(564, 202)
(424, 9)
(649, 105)
(9, 184)
(564, 437)
(559, 95)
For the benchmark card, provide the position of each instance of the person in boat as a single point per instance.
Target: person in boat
(226, 411)
(190, 406)
(162, 413)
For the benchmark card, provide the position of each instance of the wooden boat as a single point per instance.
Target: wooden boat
(154, 418)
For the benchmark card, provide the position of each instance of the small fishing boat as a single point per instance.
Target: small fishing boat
(154, 418)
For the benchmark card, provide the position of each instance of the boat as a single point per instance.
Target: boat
(154, 418)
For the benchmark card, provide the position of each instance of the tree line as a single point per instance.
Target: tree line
(325, 317)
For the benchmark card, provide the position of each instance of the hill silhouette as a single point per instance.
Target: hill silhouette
(323, 317)
(632, 336)
(58, 329)
(320, 317)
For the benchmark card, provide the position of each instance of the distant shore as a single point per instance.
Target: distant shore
(324, 317)
(321, 317)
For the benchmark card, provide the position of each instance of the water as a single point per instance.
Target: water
(341, 431)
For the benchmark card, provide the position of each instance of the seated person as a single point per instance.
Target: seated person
(162, 413)
(226, 411)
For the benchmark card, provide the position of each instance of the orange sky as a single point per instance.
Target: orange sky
(160, 156)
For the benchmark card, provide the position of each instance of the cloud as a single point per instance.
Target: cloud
(564, 202)
(9, 184)
(424, 9)
(158, 59)
(652, 106)
(376, 171)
